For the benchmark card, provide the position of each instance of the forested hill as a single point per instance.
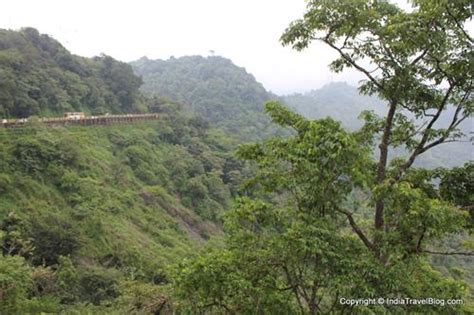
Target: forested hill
(92, 219)
(213, 87)
(38, 76)
(343, 102)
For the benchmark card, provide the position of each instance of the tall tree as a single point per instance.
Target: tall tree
(324, 221)
(419, 62)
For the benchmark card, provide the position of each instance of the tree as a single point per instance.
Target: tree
(325, 220)
(420, 63)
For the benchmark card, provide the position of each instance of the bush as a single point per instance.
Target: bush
(143, 298)
(33, 156)
(5, 182)
(98, 285)
(67, 281)
(15, 280)
(44, 281)
(52, 237)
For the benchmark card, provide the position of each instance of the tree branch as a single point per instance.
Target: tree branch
(382, 164)
(418, 245)
(443, 139)
(417, 59)
(354, 64)
(357, 230)
(421, 145)
(459, 25)
(391, 57)
(294, 288)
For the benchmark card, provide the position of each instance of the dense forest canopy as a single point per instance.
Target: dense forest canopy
(92, 218)
(38, 76)
(212, 87)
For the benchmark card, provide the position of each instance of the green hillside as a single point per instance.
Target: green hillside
(180, 216)
(212, 87)
(38, 76)
(92, 218)
(116, 204)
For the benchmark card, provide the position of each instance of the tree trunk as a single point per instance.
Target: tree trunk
(382, 166)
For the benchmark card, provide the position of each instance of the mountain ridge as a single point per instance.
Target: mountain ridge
(213, 87)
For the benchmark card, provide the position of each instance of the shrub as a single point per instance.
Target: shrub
(15, 280)
(52, 237)
(98, 285)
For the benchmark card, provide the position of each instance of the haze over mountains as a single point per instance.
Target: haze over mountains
(40, 77)
(94, 216)
(232, 99)
(343, 103)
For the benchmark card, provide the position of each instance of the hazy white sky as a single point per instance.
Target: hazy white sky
(246, 31)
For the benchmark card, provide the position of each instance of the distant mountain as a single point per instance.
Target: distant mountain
(343, 102)
(38, 76)
(338, 100)
(213, 87)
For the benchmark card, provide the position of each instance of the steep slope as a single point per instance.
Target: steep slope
(213, 87)
(116, 204)
(38, 76)
(91, 218)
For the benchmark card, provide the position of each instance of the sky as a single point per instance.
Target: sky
(245, 31)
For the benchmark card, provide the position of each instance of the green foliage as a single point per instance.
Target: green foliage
(301, 236)
(214, 88)
(5, 182)
(220, 283)
(85, 217)
(13, 237)
(15, 280)
(38, 76)
(33, 156)
(297, 246)
(325, 159)
(24, 290)
(52, 237)
(67, 281)
(416, 61)
(143, 298)
(98, 285)
(44, 281)
(457, 185)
